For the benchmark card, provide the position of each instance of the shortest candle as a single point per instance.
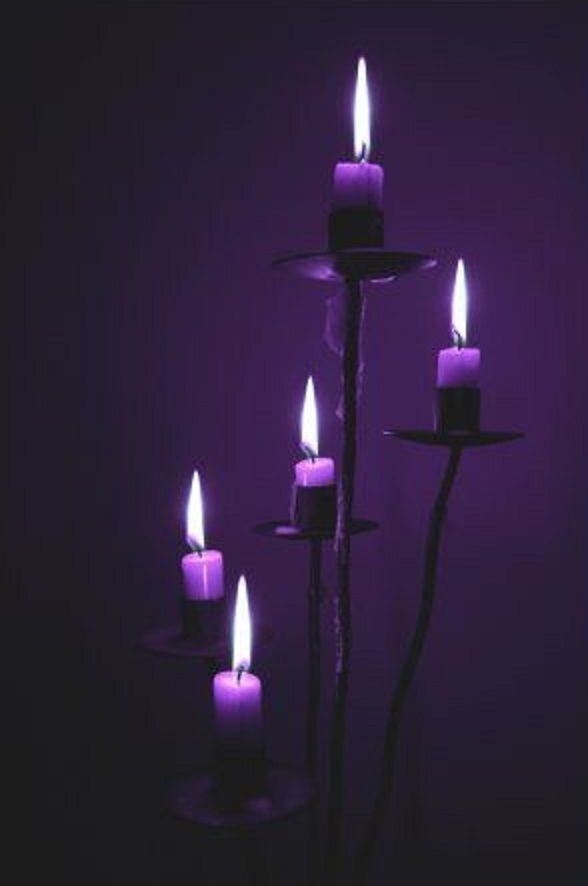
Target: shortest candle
(202, 570)
(313, 505)
(312, 471)
(240, 755)
(458, 369)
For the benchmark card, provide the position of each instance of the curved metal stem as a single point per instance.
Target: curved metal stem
(350, 366)
(364, 858)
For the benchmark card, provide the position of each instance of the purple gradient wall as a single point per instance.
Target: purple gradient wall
(158, 157)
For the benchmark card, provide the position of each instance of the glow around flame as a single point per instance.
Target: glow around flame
(195, 515)
(242, 629)
(459, 306)
(361, 113)
(309, 423)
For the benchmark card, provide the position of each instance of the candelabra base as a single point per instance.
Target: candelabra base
(172, 642)
(196, 799)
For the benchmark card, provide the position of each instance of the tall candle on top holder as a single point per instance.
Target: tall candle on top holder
(313, 504)
(458, 369)
(237, 695)
(356, 219)
(203, 609)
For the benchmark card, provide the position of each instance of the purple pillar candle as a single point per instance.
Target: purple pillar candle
(237, 705)
(356, 218)
(358, 186)
(458, 371)
(313, 505)
(202, 570)
(315, 472)
(459, 367)
(238, 695)
(312, 471)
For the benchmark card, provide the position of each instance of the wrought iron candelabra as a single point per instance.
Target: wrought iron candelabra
(286, 791)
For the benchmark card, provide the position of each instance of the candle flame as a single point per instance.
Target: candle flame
(459, 307)
(242, 629)
(195, 515)
(361, 113)
(309, 423)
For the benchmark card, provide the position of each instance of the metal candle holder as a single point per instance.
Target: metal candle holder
(350, 268)
(195, 798)
(171, 642)
(203, 798)
(456, 442)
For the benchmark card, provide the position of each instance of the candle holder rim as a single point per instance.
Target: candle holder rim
(455, 439)
(192, 798)
(169, 641)
(371, 265)
(285, 531)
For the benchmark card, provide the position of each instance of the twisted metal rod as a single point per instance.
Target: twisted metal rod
(365, 856)
(343, 628)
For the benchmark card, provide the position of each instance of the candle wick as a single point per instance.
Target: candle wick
(196, 548)
(458, 339)
(363, 155)
(308, 452)
(240, 671)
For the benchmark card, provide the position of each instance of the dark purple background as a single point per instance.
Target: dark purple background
(158, 158)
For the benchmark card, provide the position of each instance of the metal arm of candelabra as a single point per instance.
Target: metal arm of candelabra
(456, 442)
(350, 268)
(282, 529)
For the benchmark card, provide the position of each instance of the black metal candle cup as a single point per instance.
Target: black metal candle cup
(238, 775)
(314, 507)
(356, 228)
(204, 621)
(457, 409)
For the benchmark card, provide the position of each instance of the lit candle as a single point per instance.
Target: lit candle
(313, 497)
(356, 218)
(458, 369)
(312, 471)
(237, 696)
(202, 569)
